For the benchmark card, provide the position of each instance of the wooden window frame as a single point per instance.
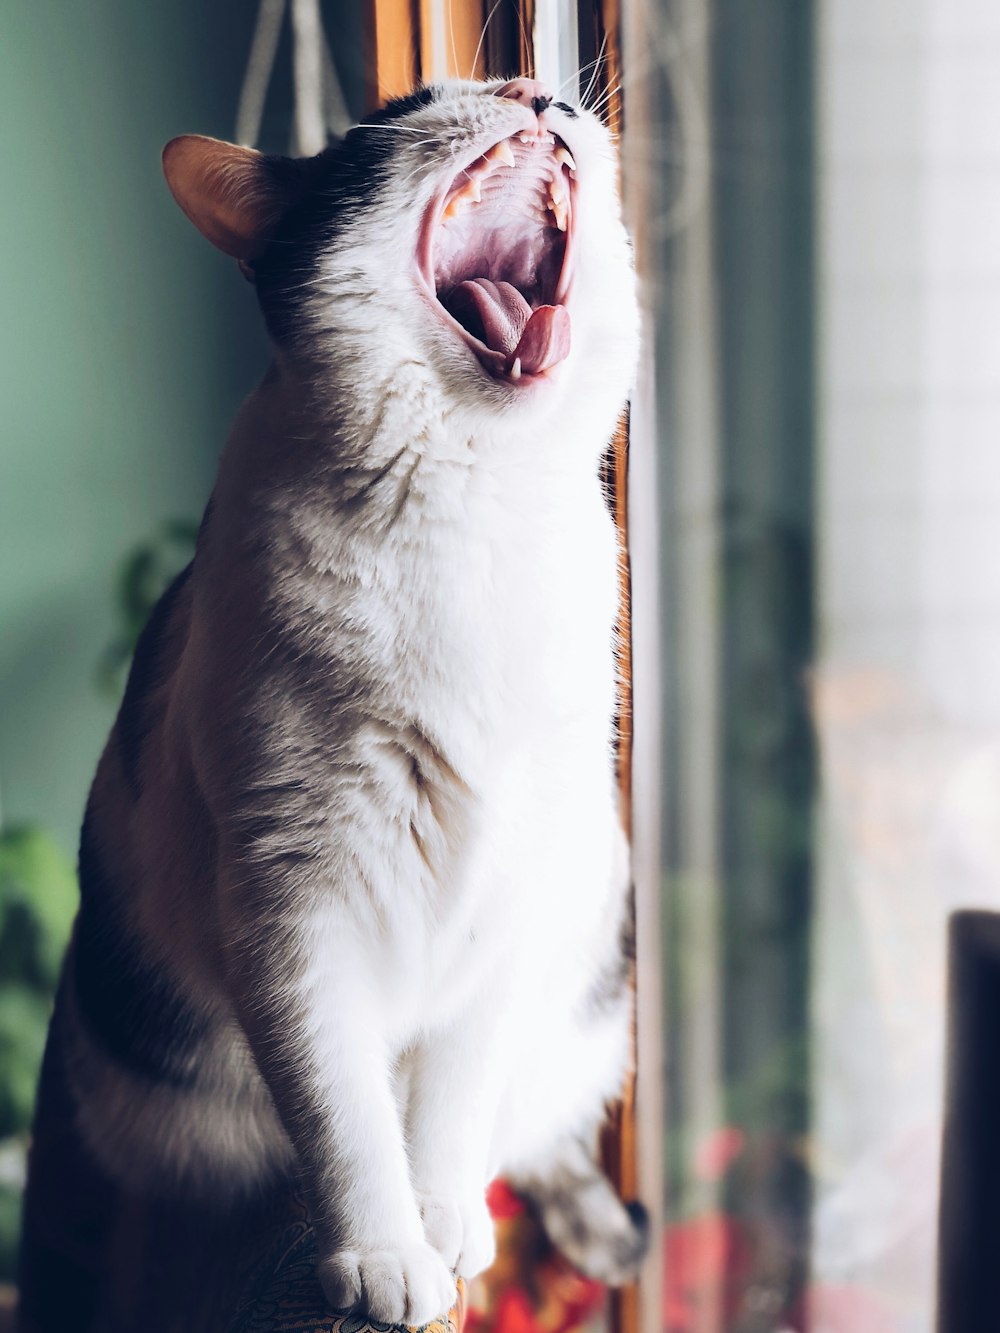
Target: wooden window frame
(422, 40)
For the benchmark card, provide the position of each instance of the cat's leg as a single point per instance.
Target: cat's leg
(310, 1002)
(451, 1114)
(583, 1216)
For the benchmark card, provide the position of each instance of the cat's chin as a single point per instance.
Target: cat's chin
(495, 255)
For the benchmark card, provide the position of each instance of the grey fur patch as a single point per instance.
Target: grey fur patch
(587, 1222)
(612, 981)
(129, 1007)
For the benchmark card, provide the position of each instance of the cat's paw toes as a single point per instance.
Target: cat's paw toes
(462, 1233)
(443, 1229)
(409, 1285)
(340, 1277)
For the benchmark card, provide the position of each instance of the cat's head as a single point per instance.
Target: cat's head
(471, 228)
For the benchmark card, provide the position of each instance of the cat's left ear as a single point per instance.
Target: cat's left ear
(234, 196)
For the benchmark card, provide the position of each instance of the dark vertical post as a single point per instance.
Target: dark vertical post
(969, 1243)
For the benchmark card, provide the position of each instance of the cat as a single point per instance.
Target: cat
(353, 878)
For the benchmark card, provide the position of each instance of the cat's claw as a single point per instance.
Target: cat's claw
(410, 1285)
(462, 1234)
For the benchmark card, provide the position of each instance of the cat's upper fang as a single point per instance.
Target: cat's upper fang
(467, 187)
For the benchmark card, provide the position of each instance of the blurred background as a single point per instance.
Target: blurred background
(814, 188)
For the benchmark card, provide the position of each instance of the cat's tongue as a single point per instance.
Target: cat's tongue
(545, 340)
(538, 339)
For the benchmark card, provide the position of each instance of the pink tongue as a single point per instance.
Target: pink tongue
(538, 338)
(545, 340)
(500, 307)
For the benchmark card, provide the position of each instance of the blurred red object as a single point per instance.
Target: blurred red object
(706, 1261)
(502, 1201)
(717, 1151)
(531, 1288)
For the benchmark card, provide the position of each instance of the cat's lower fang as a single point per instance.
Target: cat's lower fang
(558, 202)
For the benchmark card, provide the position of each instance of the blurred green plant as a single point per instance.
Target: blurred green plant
(37, 901)
(144, 574)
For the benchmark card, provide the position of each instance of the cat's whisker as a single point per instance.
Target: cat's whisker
(604, 101)
(451, 37)
(597, 67)
(527, 43)
(482, 37)
(397, 129)
(578, 74)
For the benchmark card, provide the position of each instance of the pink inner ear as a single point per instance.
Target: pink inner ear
(225, 191)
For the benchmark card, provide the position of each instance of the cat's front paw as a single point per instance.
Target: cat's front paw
(409, 1285)
(462, 1233)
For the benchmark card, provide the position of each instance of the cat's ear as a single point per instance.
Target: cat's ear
(234, 196)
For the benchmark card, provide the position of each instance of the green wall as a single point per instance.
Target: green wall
(126, 344)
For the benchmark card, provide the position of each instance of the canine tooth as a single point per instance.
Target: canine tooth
(515, 370)
(470, 193)
(560, 211)
(565, 156)
(502, 152)
(455, 205)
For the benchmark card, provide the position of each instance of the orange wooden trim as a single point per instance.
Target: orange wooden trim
(449, 39)
(470, 52)
(621, 1144)
(526, 36)
(396, 55)
(601, 21)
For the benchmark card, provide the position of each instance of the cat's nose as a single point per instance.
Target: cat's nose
(532, 92)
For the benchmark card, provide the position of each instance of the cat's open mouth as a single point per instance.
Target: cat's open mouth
(495, 253)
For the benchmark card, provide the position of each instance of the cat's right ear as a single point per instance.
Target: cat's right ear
(234, 196)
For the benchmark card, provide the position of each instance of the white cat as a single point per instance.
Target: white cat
(353, 878)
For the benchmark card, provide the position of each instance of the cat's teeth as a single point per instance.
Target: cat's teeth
(515, 369)
(503, 153)
(565, 156)
(470, 193)
(558, 202)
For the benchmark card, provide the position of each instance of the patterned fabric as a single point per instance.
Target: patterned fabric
(530, 1288)
(283, 1296)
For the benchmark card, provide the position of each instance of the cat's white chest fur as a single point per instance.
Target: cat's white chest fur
(476, 627)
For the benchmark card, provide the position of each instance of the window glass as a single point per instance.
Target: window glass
(813, 189)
